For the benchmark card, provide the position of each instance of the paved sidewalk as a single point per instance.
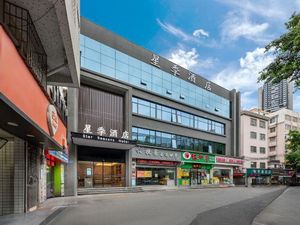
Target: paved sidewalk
(44, 214)
(282, 211)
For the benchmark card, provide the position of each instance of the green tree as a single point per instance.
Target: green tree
(293, 146)
(286, 49)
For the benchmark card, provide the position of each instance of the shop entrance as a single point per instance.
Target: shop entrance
(98, 168)
(194, 174)
(199, 176)
(195, 177)
(32, 177)
(101, 174)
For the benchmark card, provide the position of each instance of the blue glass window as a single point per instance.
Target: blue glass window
(101, 58)
(122, 57)
(167, 140)
(160, 112)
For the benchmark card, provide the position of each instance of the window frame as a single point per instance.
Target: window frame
(254, 147)
(253, 122)
(262, 122)
(262, 152)
(251, 135)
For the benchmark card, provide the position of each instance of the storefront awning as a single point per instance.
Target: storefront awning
(61, 156)
(16, 122)
(101, 141)
(238, 174)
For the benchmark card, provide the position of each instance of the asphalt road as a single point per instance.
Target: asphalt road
(234, 206)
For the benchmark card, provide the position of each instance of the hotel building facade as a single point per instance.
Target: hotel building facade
(139, 119)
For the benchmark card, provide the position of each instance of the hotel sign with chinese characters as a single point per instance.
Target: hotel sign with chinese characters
(155, 154)
(102, 138)
(175, 70)
(102, 132)
(192, 157)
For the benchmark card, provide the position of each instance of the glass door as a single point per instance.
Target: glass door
(107, 174)
(194, 177)
(50, 181)
(199, 177)
(101, 174)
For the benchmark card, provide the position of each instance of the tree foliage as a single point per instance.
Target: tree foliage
(293, 146)
(286, 48)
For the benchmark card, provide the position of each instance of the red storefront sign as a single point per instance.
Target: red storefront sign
(224, 160)
(20, 87)
(156, 162)
(50, 160)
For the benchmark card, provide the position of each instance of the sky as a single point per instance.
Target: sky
(221, 40)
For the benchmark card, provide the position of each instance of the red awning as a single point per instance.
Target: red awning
(238, 174)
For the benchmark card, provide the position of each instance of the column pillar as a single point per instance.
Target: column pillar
(128, 158)
(71, 167)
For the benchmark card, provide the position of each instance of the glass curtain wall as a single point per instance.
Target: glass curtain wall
(103, 59)
(167, 140)
(160, 112)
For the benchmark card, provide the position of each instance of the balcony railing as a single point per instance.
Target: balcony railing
(20, 25)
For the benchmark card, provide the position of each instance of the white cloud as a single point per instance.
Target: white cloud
(200, 32)
(268, 9)
(237, 25)
(175, 31)
(193, 38)
(186, 59)
(190, 59)
(249, 100)
(244, 77)
(256, 20)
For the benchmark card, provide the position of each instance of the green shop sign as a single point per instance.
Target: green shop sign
(258, 172)
(196, 166)
(192, 157)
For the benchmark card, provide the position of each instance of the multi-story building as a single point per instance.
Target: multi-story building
(145, 120)
(281, 122)
(272, 97)
(254, 139)
(38, 47)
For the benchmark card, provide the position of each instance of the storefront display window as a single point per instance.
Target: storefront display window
(222, 176)
(155, 176)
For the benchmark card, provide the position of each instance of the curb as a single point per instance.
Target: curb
(52, 216)
(157, 190)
